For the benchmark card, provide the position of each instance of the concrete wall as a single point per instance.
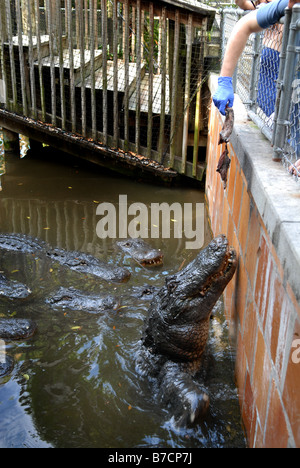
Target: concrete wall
(260, 213)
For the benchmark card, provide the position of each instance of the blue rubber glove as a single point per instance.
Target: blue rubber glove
(224, 96)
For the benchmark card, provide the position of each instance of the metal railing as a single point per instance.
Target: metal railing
(268, 81)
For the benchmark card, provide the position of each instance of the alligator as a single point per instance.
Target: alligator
(77, 261)
(141, 252)
(13, 289)
(71, 298)
(177, 328)
(87, 264)
(14, 329)
(21, 243)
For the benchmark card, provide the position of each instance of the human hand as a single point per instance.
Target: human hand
(224, 96)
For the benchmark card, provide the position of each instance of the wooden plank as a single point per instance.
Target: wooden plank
(31, 62)
(115, 53)
(82, 66)
(71, 61)
(61, 64)
(187, 93)
(163, 69)
(2, 54)
(92, 72)
(198, 119)
(11, 55)
(150, 86)
(21, 57)
(51, 17)
(126, 97)
(174, 88)
(138, 76)
(39, 55)
(104, 68)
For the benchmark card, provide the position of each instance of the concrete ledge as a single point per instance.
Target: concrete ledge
(275, 193)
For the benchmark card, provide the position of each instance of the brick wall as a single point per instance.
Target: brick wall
(261, 303)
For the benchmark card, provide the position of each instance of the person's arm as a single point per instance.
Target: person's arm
(237, 42)
(224, 96)
(255, 21)
(245, 4)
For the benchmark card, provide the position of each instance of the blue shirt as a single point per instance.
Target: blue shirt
(269, 14)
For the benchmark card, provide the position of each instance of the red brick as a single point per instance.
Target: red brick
(261, 377)
(291, 393)
(225, 217)
(263, 278)
(244, 221)
(231, 181)
(241, 290)
(248, 411)
(276, 433)
(237, 203)
(250, 331)
(275, 311)
(254, 231)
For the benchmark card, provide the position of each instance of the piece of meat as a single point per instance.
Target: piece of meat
(223, 166)
(226, 131)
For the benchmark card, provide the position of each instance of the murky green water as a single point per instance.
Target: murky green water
(74, 383)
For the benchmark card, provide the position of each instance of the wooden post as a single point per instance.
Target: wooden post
(150, 84)
(198, 119)
(163, 67)
(174, 89)
(138, 76)
(187, 93)
(82, 66)
(92, 52)
(126, 97)
(72, 78)
(41, 78)
(11, 142)
(115, 51)
(104, 67)
(11, 54)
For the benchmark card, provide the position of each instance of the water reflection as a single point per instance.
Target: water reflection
(74, 384)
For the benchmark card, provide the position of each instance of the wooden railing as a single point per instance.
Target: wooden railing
(127, 73)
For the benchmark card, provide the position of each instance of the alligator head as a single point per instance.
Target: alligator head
(141, 252)
(178, 319)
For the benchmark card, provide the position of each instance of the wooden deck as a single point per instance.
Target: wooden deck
(139, 98)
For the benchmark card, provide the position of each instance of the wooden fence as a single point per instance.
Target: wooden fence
(128, 74)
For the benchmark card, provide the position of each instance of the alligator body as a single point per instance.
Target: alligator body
(71, 298)
(89, 265)
(141, 252)
(12, 289)
(177, 328)
(21, 243)
(17, 329)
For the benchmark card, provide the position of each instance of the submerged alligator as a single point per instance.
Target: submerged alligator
(17, 329)
(13, 289)
(89, 265)
(141, 252)
(177, 328)
(71, 298)
(21, 243)
(76, 261)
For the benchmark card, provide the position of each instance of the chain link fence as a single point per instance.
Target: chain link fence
(268, 81)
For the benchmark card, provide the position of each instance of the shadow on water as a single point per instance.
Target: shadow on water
(74, 383)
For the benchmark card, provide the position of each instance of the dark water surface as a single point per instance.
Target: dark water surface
(74, 384)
